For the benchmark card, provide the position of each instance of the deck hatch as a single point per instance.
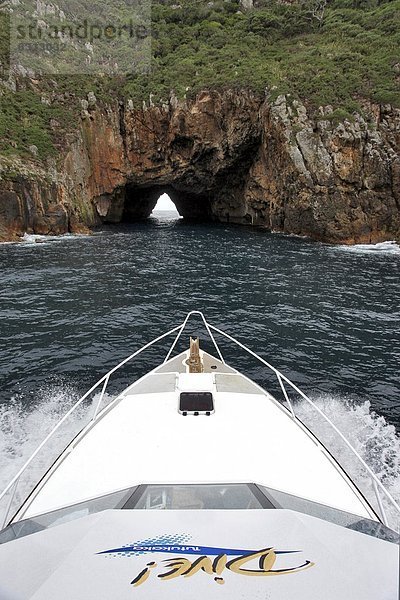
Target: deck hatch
(196, 403)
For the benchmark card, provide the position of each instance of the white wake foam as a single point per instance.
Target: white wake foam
(375, 440)
(22, 429)
(390, 247)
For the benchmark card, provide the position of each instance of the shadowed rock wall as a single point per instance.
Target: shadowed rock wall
(225, 156)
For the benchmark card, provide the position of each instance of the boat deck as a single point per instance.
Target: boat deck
(144, 439)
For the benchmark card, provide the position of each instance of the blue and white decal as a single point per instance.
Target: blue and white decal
(177, 566)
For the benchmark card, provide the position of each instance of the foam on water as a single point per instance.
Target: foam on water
(29, 239)
(375, 440)
(390, 247)
(32, 238)
(22, 430)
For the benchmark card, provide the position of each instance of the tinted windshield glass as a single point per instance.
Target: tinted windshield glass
(62, 515)
(181, 497)
(197, 497)
(333, 515)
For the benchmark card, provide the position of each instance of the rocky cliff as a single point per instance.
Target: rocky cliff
(225, 156)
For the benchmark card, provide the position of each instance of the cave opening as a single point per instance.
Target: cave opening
(165, 205)
(140, 202)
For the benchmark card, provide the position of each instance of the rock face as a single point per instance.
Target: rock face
(225, 156)
(34, 200)
(339, 183)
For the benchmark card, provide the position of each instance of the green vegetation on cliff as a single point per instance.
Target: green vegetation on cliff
(336, 52)
(346, 51)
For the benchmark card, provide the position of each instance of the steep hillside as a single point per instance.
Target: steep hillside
(311, 86)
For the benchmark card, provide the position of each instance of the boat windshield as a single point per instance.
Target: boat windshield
(234, 496)
(186, 497)
(328, 513)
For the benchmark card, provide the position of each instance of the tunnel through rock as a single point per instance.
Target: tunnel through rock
(135, 203)
(165, 205)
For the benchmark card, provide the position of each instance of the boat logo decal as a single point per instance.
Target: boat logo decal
(253, 563)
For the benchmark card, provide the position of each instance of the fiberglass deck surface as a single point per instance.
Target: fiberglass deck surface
(144, 439)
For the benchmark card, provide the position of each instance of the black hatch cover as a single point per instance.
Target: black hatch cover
(196, 403)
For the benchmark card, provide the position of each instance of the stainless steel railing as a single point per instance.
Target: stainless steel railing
(10, 497)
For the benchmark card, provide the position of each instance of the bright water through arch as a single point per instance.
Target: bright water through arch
(165, 205)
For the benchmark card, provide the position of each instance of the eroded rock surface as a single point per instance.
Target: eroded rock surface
(226, 156)
(340, 183)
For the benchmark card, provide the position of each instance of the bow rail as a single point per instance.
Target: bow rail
(9, 495)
